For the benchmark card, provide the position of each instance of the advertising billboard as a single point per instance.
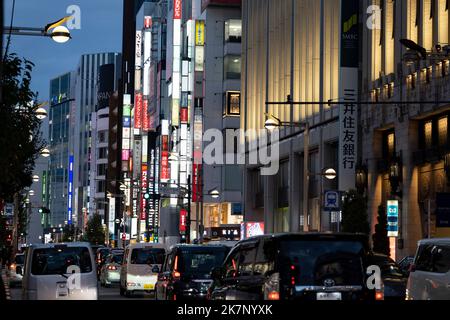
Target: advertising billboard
(70, 191)
(392, 217)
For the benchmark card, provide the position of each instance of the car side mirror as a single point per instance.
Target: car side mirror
(217, 273)
(155, 269)
(19, 270)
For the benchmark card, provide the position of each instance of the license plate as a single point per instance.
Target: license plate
(149, 286)
(329, 296)
(61, 289)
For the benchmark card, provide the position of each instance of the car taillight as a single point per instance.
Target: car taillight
(13, 266)
(272, 287)
(176, 275)
(112, 268)
(294, 273)
(274, 295)
(379, 295)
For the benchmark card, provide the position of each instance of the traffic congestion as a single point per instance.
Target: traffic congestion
(286, 266)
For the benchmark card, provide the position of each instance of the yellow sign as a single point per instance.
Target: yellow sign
(350, 23)
(199, 33)
(149, 286)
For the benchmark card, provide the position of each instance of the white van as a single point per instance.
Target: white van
(138, 272)
(429, 277)
(63, 271)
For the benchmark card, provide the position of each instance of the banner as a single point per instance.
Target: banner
(348, 113)
(138, 111)
(183, 216)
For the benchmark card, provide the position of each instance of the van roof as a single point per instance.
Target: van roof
(435, 241)
(68, 244)
(146, 244)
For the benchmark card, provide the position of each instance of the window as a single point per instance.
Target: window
(283, 175)
(246, 260)
(428, 133)
(232, 103)
(102, 153)
(231, 265)
(147, 256)
(443, 130)
(441, 259)
(57, 260)
(233, 30)
(424, 258)
(265, 257)
(232, 67)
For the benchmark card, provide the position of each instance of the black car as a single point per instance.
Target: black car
(405, 264)
(186, 272)
(100, 257)
(308, 266)
(394, 280)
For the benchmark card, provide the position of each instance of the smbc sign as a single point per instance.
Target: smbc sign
(392, 218)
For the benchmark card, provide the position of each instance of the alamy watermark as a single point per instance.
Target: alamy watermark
(75, 22)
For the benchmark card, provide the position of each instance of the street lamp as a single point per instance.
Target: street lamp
(54, 30)
(214, 193)
(41, 113)
(330, 174)
(45, 153)
(35, 178)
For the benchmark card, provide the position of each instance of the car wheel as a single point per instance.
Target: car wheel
(122, 291)
(128, 293)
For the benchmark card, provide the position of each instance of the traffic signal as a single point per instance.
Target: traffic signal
(147, 196)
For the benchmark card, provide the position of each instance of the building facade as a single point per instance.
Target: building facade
(292, 49)
(62, 94)
(405, 143)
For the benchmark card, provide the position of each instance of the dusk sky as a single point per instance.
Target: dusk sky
(101, 31)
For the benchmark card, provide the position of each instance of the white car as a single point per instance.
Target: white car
(110, 271)
(429, 277)
(138, 272)
(63, 271)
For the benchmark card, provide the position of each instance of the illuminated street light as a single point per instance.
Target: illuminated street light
(45, 153)
(35, 178)
(60, 34)
(330, 174)
(214, 193)
(41, 113)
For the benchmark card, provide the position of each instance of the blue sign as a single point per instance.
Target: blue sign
(70, 192)
(332, 202)
(126, 122)
(236, 209)
(392, 218)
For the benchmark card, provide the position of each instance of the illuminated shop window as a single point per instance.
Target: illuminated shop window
(428, 133)
(233, 30)
(443, 130)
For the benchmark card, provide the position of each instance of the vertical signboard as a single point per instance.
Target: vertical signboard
(70, 191)
(138, 111)
(111, 215)
(348, 112)
(126, 128)
(392, 218)
(138, 49)
(147, 61)
(165, 175)
(183, 215)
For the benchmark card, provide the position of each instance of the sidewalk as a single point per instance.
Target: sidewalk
(4, 288)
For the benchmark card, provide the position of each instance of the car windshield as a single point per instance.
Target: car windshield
(391, 270)
(147, 256)
(117, 258)
(318, 263)
(56, 260)
(19, 259)
(199, 263)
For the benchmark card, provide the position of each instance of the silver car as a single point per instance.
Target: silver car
(110, 271)
(60, 272)
(429, 277)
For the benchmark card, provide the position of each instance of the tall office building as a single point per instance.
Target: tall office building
(62, 94)
(86, 101)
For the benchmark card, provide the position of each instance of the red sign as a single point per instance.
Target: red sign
(145, 117)
(144, 178)
(177, 10)
(183, 215)
(138, 111)
(196, 185)
(143, 214)
(165, 165)
(147, 22)
(184, 115)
